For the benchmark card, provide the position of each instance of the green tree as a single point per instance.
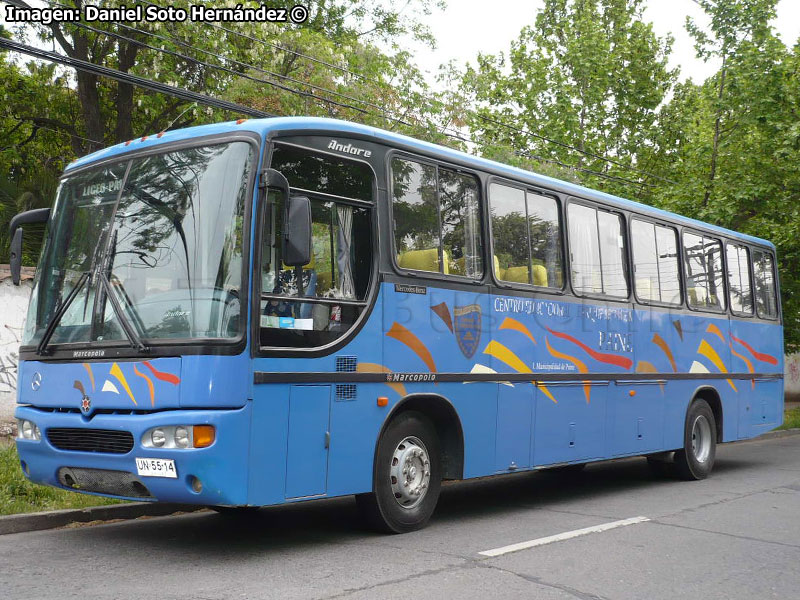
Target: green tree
(589, 74)
(736, 139)
(52, 115)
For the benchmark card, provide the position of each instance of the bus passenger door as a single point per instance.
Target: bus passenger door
(514, 422)
(309, 439)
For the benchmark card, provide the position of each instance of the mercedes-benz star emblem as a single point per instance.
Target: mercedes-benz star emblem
(36, 381)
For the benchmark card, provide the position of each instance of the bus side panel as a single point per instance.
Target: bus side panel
(637, 408)
(356, 418)
(757, 347)
(268, 441)
(355, 425)
(430, 330)
(476, 405)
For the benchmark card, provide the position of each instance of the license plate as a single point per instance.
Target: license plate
(156, 467)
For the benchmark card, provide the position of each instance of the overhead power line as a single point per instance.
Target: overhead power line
(278, 47)
(234, 61)
(225, 105)
(385, 113)
(184, 94)
(155, 86)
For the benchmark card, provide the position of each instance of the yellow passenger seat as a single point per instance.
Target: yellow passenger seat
(516, 274)
(424, 260)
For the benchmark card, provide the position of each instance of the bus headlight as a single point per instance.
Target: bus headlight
(158, 438)
(28, 430)
(182, 437)
(179, 436)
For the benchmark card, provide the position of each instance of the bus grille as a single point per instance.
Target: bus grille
(91, 440)
(102, 481)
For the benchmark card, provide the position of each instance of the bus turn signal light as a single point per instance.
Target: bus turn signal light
(383, 400)
(204, 436)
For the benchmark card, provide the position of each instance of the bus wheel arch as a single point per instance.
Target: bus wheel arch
(445, 420)
(711, 396)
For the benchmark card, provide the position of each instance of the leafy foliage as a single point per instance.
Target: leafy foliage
(18, 495)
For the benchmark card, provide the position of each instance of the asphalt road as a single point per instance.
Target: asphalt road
(734, 535)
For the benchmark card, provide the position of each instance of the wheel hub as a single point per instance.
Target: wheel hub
(701, 439)
(410, 472)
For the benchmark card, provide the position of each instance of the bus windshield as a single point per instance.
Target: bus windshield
(164, 231)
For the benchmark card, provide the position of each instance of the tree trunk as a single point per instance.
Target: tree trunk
(90, 107)
(89, 97)
(124, 128)
(715, 144)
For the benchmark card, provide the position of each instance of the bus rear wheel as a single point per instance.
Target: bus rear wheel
(696, 459)
(407, 476)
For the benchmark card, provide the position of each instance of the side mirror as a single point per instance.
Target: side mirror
(39, 215)
(15, 260)
(296, 250)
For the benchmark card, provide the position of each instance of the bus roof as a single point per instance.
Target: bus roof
(318, 124)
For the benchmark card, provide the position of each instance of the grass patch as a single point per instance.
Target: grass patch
(791, 419)
(18, 495)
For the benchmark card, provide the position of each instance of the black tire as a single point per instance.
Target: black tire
(381, 508)
(696, 459)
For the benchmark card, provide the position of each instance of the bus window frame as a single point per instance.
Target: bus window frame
(679, 247)
(748, 248)
(482, 205)
(525, 188)
(778, 308)
(720, 240)
(370, 298)
(597, 206)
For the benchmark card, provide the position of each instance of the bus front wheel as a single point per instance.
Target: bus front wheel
(407, 477)
(696, 459)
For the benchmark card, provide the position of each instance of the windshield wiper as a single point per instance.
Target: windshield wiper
(133, 337)
(127, 328)
(51, 326)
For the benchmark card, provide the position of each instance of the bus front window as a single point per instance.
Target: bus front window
(165, 231)
(336, 280)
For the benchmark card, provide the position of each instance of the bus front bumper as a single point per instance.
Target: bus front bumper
(216, 475)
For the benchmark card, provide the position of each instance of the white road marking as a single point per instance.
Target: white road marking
(560, 537)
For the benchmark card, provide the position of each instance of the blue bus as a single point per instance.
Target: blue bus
(268, 311)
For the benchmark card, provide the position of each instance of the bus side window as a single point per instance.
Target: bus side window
(437, 226)
(655, 263)
(766, 294)
(741, 295)
(597, 252)
(703, 266)
(545, 241)
(461, 223)
(509, 233)
(416, 216)
(527, 237)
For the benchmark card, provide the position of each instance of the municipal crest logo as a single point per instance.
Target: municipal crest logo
(86, 403)
(467, 328)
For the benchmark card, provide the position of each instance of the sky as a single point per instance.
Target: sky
(468, 27)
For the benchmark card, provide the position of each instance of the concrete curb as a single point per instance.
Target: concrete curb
(59, 518)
